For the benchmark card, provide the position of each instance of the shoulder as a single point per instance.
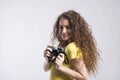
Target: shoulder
(73, 51)
(71, 45)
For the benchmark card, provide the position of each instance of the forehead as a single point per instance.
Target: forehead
(63, 21)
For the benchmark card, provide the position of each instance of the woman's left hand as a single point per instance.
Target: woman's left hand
(59, 60)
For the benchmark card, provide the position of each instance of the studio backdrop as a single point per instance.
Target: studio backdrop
(26, 26)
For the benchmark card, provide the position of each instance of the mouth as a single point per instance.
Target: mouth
(64, 35)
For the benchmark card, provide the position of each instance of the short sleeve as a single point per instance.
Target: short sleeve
(73, 51)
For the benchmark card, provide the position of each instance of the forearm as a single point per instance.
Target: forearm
(72, 73)
(47, 66)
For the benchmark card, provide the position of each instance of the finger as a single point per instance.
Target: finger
(49, 49)
(58, 57)
(57, 61)
(61, 55)
(46, 54)
(50, 46)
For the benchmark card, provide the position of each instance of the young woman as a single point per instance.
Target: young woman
(74, 36)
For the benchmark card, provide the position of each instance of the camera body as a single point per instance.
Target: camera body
(55, 52)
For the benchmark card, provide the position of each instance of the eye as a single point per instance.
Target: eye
(68, 27)
(60, 27)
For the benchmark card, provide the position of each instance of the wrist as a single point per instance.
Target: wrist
(47, 62)
(59, 67)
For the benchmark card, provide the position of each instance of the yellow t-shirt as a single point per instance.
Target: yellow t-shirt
(72, 52)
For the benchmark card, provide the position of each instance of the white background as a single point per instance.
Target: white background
(26, 25)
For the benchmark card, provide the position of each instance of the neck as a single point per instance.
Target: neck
(64, 43)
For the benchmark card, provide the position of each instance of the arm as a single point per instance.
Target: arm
(79, 71)
(47, 66)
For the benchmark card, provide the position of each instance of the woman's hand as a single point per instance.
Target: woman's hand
(47, 52)
(59, 60)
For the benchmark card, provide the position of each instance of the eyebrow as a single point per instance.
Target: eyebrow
(64, 25)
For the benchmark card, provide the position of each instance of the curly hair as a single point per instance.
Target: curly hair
(82, 36)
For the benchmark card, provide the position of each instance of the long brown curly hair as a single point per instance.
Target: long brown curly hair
(82, 36)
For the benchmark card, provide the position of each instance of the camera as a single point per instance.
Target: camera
(55, 52)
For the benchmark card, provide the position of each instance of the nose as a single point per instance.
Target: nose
(64, 30)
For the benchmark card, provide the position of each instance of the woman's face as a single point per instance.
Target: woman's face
(65, 29)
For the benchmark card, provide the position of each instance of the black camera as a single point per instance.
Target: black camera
(55, 52)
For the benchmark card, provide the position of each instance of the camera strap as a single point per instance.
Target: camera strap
(66, 59)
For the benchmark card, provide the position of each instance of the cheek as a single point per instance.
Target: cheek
(69, 32)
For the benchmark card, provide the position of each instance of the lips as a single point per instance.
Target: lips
(64, 35)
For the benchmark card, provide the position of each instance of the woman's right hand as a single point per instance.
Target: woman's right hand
(47, 52)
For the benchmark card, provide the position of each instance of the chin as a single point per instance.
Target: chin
(65, 39)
